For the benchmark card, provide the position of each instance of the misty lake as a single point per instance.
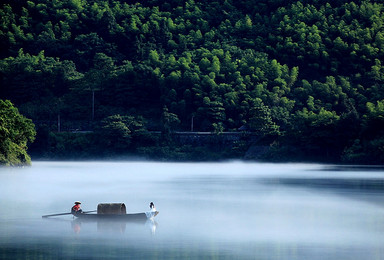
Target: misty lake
(232, 210)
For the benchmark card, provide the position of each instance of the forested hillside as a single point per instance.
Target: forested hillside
(308, 75)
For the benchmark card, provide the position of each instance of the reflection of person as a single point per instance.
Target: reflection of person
(76, 227)
(152, 225)
(76, 209)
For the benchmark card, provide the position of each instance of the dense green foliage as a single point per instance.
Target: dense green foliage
(15, 132)
(310, 74)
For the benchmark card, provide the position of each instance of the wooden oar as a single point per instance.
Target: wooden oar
(61, 214)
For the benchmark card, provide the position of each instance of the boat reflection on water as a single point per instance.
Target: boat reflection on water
(116, 226)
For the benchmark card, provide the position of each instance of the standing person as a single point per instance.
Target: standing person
(153, 212)
(76, 209)
(152, 207)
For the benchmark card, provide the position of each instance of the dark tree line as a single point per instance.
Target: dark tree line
(309, 74)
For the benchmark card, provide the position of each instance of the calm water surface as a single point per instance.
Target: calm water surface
(228, 210)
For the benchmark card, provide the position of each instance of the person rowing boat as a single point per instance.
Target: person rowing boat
(76, 209)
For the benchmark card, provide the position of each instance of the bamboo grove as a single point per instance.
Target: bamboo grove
(308, 74)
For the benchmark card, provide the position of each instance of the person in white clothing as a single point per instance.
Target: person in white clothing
(152, 207)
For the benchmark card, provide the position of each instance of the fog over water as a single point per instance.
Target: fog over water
(232, 210)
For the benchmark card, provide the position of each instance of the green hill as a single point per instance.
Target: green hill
(307, 77)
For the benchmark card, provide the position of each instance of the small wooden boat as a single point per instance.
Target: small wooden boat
(111, 212)
(115, 212)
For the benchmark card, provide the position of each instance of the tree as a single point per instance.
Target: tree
(15, 133)
(373, 121)
(95, 79)
(260, 120)
(169, 122)
(116, 133)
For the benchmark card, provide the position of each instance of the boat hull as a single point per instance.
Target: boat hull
(117, 217)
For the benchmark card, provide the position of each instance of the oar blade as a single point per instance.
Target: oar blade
(53, 215)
